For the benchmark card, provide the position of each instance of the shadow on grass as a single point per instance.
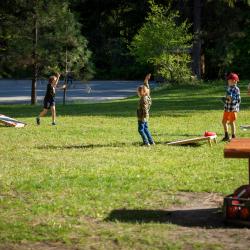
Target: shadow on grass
(85, 146)
(111, 145)
(124, 108)
(193, 145)
(164, 103)
(171, 135)
(204, 218)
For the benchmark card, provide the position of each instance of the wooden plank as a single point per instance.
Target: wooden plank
(238, 148)
(8, 121)
(191, 140)
(245, 127)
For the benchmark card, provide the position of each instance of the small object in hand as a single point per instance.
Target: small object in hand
(229, 98)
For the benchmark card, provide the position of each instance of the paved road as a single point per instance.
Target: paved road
(18, 91)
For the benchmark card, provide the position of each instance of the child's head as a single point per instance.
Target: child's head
(142, 90)
(232, 79)
(52, 79)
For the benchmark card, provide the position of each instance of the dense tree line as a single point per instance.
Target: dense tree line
(106, 28)
(39, 38)
(221, 29)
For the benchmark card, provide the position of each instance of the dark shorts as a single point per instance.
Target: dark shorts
(48, 103)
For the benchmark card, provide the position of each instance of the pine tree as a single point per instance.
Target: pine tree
(41, 32)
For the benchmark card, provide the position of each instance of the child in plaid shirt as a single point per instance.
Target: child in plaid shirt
(231, 106)
(143, 115)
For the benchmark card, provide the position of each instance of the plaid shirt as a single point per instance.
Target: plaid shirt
(143, 108)
(232, 105)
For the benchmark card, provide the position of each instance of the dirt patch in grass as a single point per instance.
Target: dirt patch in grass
(200, 221)
(197, 219)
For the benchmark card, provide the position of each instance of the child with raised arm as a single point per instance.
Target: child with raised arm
(147, 78)
(143, 115)
(231, 106)
(49, 99)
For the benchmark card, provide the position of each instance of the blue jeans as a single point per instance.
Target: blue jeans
(144, 132)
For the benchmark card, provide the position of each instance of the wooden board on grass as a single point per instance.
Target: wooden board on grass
(8, 121)
(194, 140)
(245, 127)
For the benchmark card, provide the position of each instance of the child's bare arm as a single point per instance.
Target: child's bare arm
(147, 78)
(57, 78)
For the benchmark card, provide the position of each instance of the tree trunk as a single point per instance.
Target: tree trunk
(34, 60)
(196, 53)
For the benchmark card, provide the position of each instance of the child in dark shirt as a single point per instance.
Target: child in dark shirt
(49, 99)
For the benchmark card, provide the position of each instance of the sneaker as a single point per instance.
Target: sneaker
(226, 138)
(53, 123)
(38, 120)
(152, 144)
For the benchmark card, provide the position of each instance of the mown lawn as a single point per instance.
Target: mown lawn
(62, 183)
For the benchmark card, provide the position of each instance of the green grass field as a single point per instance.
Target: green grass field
(63, 183)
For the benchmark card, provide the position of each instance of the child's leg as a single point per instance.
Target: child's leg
(141, 126)
(53, 113)
(43, 113)
(225, 126)
(146, 130)
(233, 129)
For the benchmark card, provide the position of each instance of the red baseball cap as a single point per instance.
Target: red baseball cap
(233, 76)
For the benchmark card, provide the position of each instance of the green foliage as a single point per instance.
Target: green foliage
(238, 51)
(164, 43)
(60, 35)
(58, 32)
(227, 40)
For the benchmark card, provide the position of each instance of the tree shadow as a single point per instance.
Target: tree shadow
(119, 108)
(204, 218)
(109, 145)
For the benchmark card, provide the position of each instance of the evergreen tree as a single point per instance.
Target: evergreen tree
(41, 33)
(164, 43)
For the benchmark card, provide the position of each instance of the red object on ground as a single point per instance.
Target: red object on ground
(235, 202)
(232, 211)
(244, 213)
(208, 133)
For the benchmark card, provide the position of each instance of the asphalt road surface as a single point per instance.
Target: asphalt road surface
(18, 91)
